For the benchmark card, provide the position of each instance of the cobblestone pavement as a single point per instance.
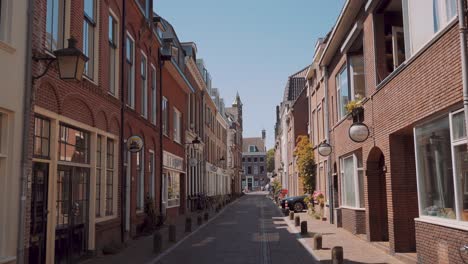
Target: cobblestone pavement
(250, 231)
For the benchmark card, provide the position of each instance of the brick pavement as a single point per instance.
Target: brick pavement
(356, 250)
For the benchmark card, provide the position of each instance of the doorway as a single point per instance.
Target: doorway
(377, 196)
(38, 228)
(72, 210)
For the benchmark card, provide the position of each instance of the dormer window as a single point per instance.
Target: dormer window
(253, 148)
(145, 7)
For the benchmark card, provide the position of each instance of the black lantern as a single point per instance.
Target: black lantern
(358, 132)
(324, 149)
(195, 143)
(71, 61)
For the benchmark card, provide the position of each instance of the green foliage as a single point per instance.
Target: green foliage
(270, 160)
(305, 162)
(276, 185)
(354, 104)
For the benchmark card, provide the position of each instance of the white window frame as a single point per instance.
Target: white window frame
(60, 24)
(130, 72)
(177, 125)
(91, 66)
(338, 91)
(356, 170)
(140, 202)
(453, 223)
(144, 84)
(175, 202)
(154, 95)
(165, 116)
(152, 171)
(114, 48)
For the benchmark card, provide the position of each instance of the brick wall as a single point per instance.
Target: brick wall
(438, 244)
(353, 220)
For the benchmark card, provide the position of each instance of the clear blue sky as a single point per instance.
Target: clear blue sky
(252, 46)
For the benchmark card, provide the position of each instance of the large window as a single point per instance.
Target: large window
(352, 181)
(89, 27)
(151, 167)
(442, 167)
(165, 116)
(73, 145)
(342, 92)
(110, 177)
(98, 175)
(140, 181)
(130, 60)
(113, 56)
(54, 24)
(153, 95)
(144, 86)
(41, 137)
(173, 189)
(177, 126)
(425, 18)
(255, 169)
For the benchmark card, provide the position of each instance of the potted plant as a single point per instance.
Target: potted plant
(355, 106)
(320, 200)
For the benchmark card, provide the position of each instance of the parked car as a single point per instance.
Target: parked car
(295, 203)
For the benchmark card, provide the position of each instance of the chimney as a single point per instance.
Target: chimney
(263, 134)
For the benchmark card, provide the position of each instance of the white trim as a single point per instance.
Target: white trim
(132, 88)
(152, 190)
(144, 92)
(117, 52)
(353, 34)
(351, 208)
(154, 97)
(462, 225)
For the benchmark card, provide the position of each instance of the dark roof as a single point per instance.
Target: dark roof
(296, 83)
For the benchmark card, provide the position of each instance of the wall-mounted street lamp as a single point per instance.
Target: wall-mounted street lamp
(195, 143)
(324, 149)
(358, 131)
(71, 62)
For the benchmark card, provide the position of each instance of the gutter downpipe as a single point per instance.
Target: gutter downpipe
(327, 138)
(123, 149)
(25, 159)
(161, 151)
(464, 52)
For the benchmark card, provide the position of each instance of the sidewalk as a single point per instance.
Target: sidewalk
(356, 250)
(140, 250)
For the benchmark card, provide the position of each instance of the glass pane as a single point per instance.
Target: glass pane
(344, 93)
(434, 161)
(458, 126)
(361, 188)
(461, 163)
(350, 196)
(89, 8)
(357, 75)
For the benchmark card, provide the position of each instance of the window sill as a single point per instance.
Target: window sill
(9, 49)
(105, 218)
(351, 208)
(443, 222)
(89, 80)
(113, 95)
(7, 259)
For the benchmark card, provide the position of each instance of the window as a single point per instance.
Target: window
(3, 133)
(177, 126)
(243, 159)
(255, 159)
(352, 181)
(173, 189)
(440, 147)
(145, 7)
(262, 159)
(262, 169)
(252, 148)
(110, 177)
(89, 26)
(54, 24)
(249, 159)
(153, 95)
(140, 163)
(249, 170)
(144, 86)
(342, 92)
(73, 145)
(98, 175)
(130, 59)
(423, 19)
(151, 170)
(41, 137)
(165, 116)
(113, 56)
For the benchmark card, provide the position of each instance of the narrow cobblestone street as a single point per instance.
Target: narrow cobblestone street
(251, 230)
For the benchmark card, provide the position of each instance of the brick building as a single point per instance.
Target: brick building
(254, 162)
(405, 184)
(234, 155)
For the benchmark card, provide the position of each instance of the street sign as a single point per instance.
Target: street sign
(134, 144)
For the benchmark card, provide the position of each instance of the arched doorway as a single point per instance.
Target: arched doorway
(377, 196)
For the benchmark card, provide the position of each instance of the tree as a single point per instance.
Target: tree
(305, 162)
(270, 159)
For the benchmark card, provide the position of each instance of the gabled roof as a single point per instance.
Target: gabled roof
(254, 141)
(295, 85)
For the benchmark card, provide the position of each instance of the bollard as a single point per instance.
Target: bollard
(207, 215)
(317, 241)
(297, 221)
(157, 242)
(172, 233)
(337, 255)
(304, 228)
(199, 220)
(188, 224)
(291, 215)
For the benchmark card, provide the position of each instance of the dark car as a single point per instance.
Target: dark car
(295, 203)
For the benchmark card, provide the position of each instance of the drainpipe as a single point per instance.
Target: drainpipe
(123, 149)
(161, 153)
(464, 53)
(327, 138)
(27, 111)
